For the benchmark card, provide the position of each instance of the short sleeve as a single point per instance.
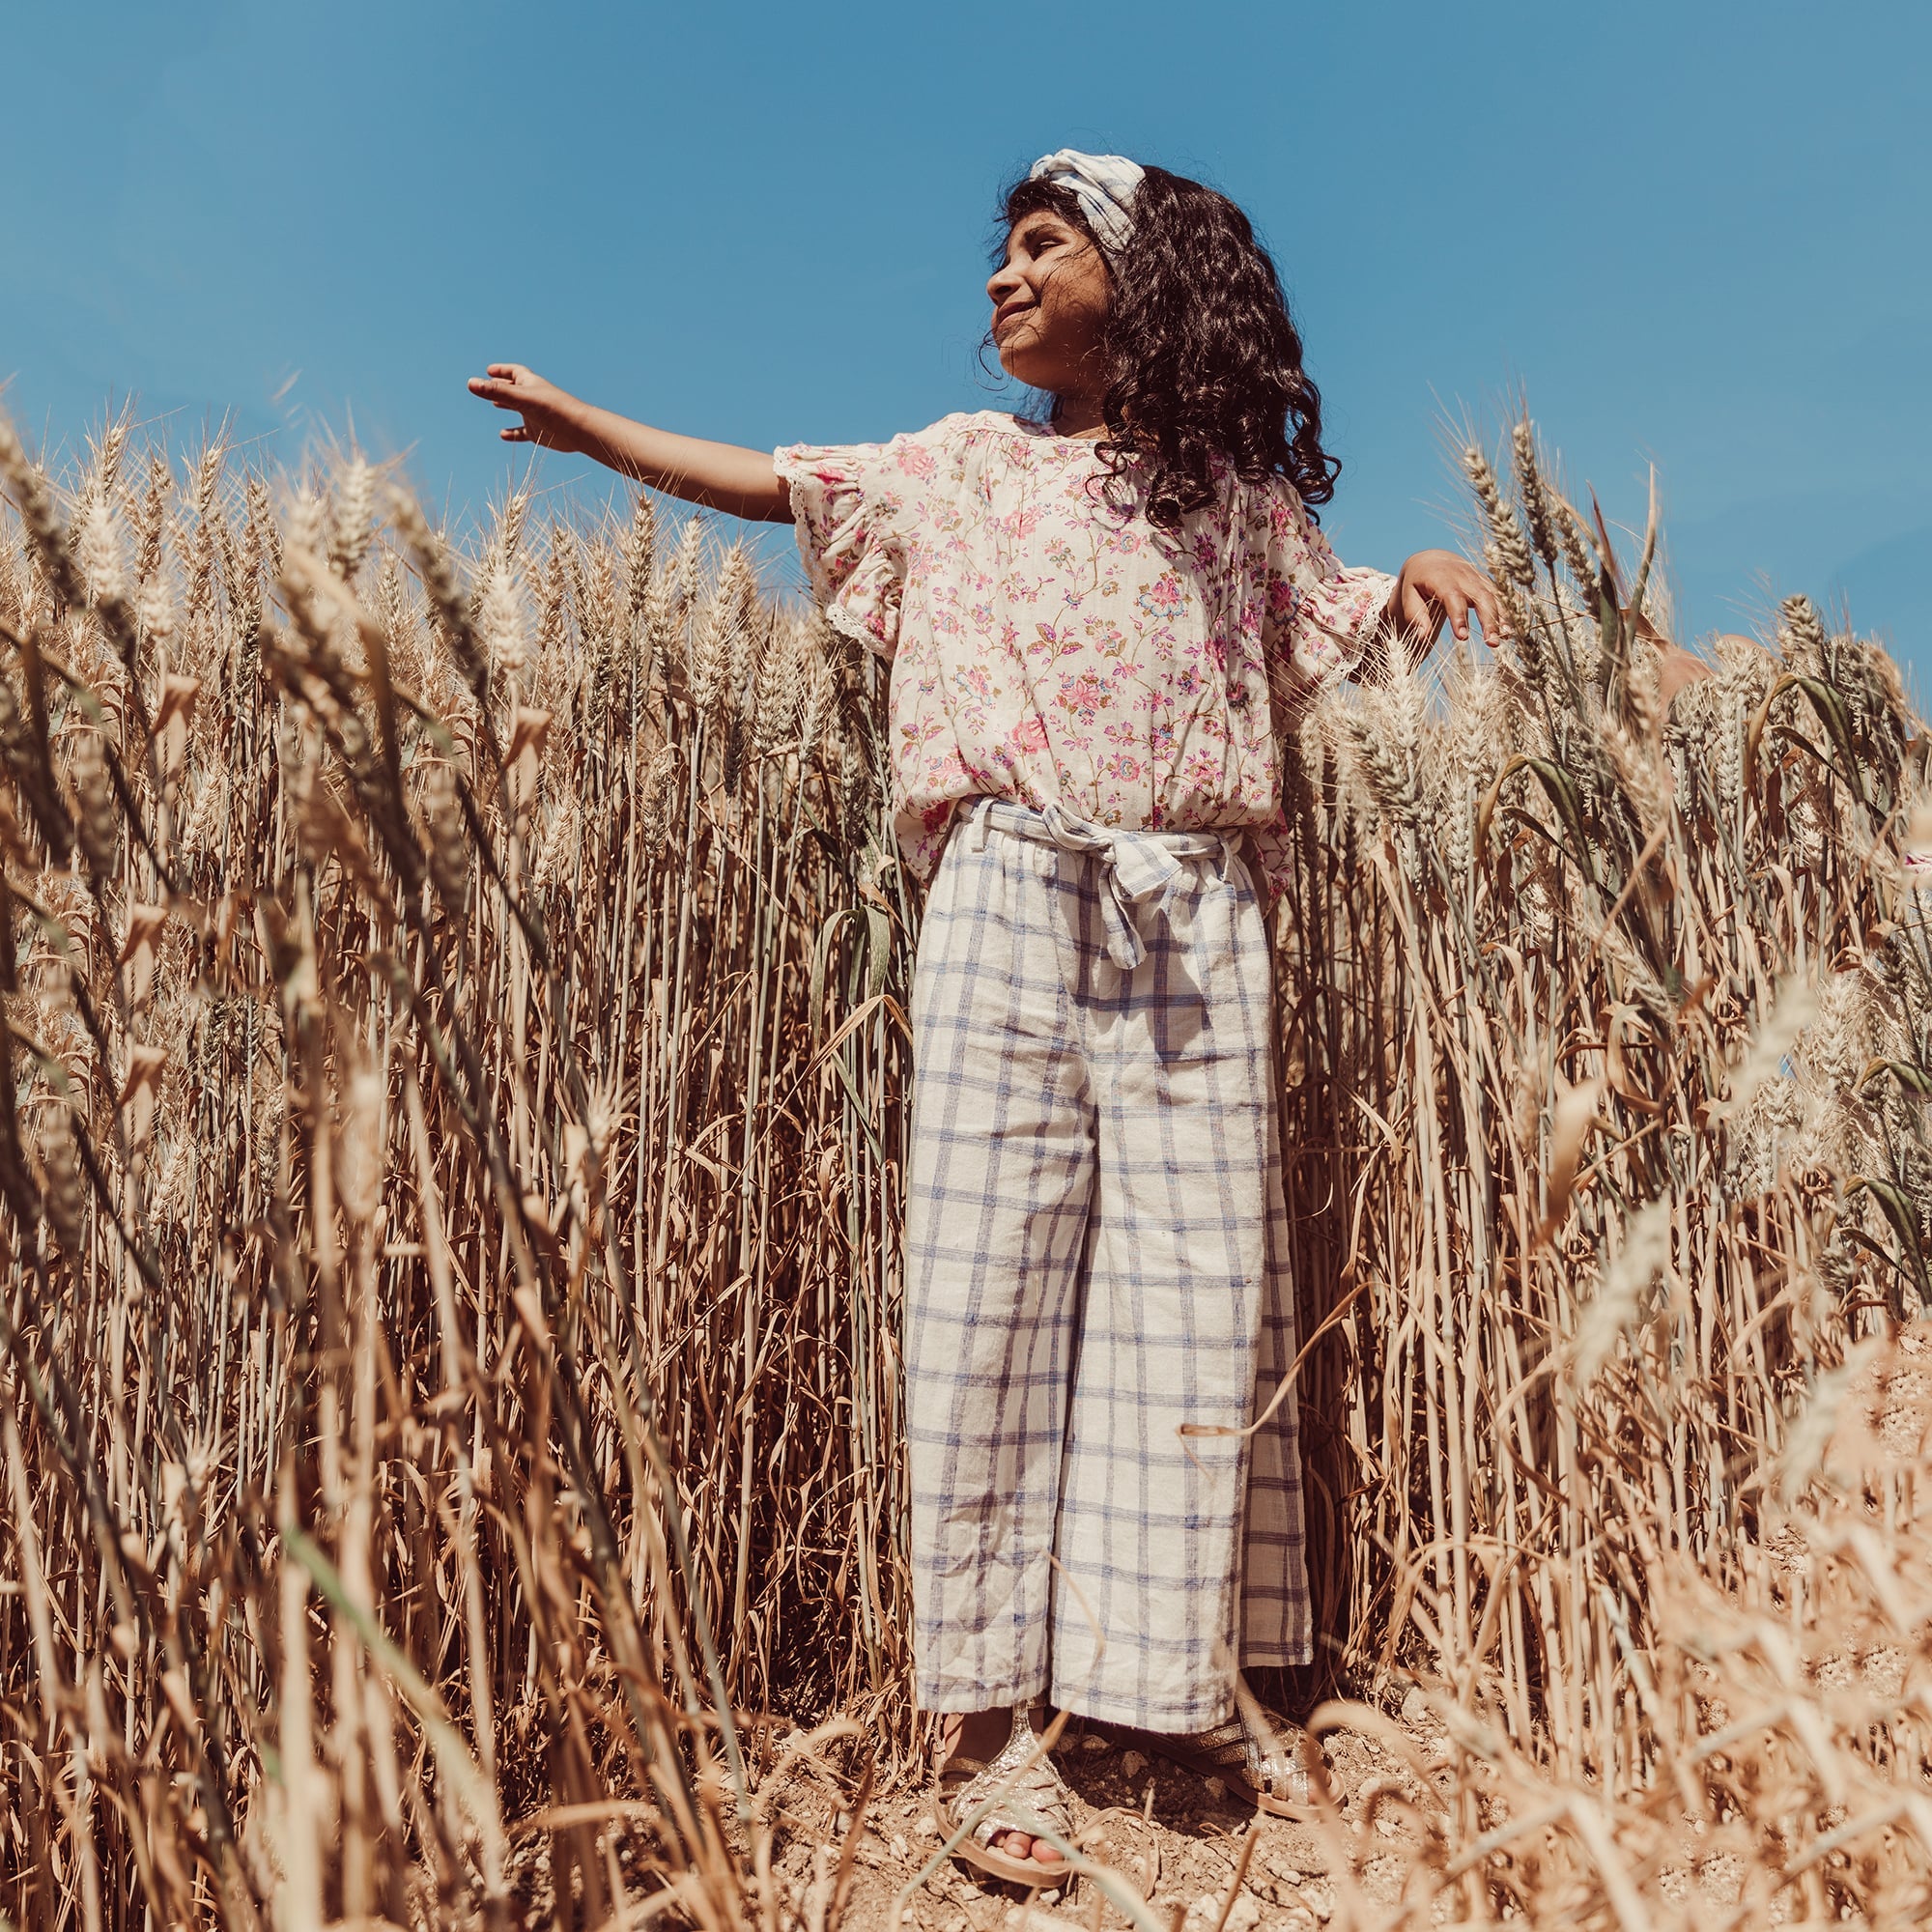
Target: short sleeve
(854, 504)
(1320, 614)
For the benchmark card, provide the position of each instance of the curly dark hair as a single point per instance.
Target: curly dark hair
(1206, 358)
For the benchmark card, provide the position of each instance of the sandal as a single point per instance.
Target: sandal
(1019, 1791)
(1269, 1774)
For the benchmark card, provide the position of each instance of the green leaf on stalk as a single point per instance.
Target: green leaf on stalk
(1837, 724)
(821, 963)
(1913, 1078)
(1901, 1211)
(1561, 790)
(1611, 634)
(878, 949)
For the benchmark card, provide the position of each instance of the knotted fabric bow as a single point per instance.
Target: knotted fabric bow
(1104, 186)
(1138, 867)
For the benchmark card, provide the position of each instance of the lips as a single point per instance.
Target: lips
(1007, 316)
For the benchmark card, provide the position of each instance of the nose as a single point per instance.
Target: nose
(1002, 282)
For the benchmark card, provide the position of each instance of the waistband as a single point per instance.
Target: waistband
(1140, 868)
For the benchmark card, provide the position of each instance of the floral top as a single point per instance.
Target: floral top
(1048, 650)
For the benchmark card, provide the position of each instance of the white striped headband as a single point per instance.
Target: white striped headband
(1104, 186)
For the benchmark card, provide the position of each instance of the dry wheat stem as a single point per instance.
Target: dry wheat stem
(450, 1179)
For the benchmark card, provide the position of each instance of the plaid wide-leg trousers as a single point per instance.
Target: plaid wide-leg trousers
(1096, 1290)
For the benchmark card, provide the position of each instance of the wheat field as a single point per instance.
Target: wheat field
(455, 1051)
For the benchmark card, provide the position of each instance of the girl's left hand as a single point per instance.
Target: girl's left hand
(1438, 584)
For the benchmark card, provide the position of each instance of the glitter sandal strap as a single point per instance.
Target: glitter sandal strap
(1024, 1793)
(1268, 1773)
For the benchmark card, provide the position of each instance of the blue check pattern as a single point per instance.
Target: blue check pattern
(1094, 1292)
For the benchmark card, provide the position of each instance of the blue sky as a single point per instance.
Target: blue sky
(1693, 234)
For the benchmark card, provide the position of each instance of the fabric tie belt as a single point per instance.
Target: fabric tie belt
(1138, 867)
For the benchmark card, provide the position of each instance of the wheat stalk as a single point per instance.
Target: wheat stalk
(455, 1115)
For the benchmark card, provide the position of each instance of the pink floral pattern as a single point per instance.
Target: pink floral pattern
(1047, 650)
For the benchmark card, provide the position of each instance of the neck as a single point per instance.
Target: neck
(1078, 414)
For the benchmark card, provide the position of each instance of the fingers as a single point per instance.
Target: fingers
(1448, 587)
(1415, 617)
(503, 383)
(1422, 618)
(1488, 612)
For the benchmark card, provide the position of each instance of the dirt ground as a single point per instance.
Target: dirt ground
(1178, 1837)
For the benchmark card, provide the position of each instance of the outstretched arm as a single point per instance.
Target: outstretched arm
(720, 475)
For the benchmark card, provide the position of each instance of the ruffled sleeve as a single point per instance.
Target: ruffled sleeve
(1320, 614)
(854, 504)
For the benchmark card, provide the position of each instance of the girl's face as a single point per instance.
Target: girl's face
(1050, 308)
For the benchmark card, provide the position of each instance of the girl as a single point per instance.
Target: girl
(1098, 624)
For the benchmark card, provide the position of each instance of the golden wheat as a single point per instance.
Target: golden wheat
(455, 1046)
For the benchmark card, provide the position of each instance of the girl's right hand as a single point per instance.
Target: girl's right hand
(549, 414)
